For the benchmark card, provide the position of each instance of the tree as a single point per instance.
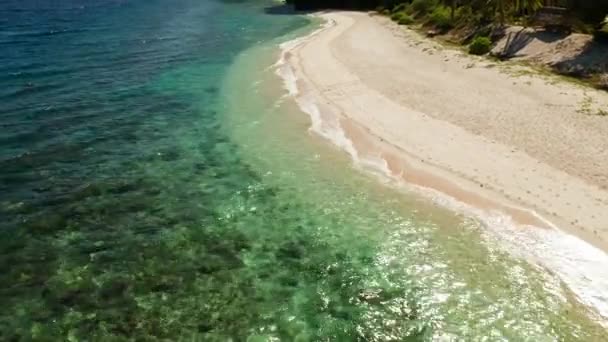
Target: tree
(453, 5)
(529, 6)
(499, 6)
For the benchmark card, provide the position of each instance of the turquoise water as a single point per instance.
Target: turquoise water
(155, 185)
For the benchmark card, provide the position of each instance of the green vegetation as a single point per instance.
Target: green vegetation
(397, 16)
(578, 15)
(480, 46)
(402, 18)
(405, 19)
(422, 7)
(441, 18)
(462, 20)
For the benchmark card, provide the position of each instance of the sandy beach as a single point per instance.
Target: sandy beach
(528, 151)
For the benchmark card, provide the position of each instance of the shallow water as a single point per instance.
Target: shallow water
(156, 184)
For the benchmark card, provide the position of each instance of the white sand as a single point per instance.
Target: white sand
(520, 151)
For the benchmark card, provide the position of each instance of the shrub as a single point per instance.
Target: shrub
(397, 16)
(423, 6)
(480, 46)
(441, 18)
(405, 19)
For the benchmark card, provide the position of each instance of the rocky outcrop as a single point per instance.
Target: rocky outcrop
(571, 54)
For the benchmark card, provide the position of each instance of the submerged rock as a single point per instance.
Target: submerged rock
(114, 288)
(87, 190)
(290, 250)
(46, 223)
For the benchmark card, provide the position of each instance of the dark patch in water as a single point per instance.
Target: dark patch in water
(64, 152)
(211, 90)
(169, 155)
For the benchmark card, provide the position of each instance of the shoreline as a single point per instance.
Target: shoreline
(468, 172)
